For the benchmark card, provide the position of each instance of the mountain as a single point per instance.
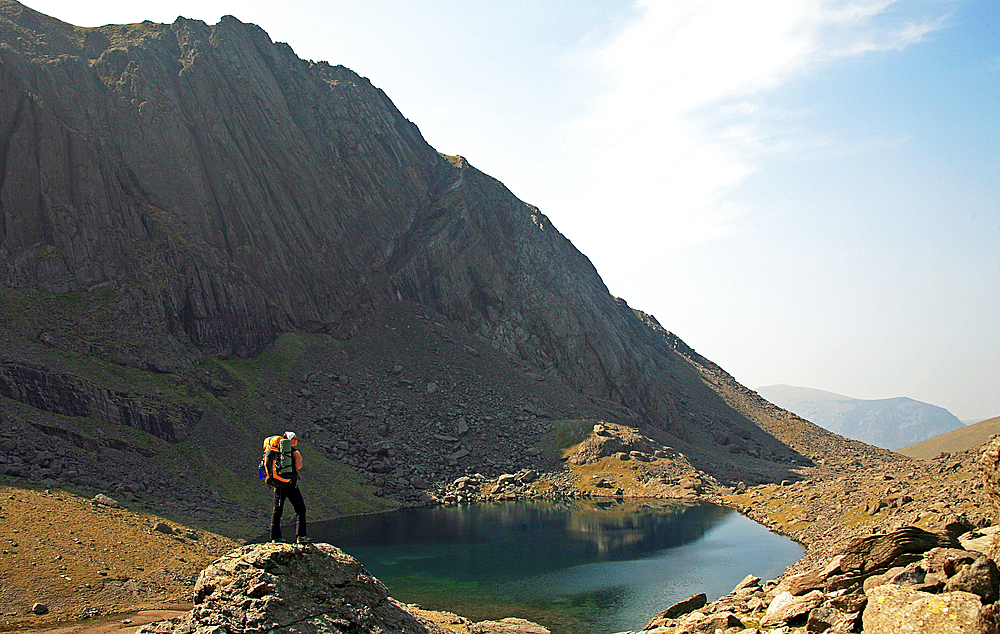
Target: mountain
(954, 441)
(890, 423)
(205, 240)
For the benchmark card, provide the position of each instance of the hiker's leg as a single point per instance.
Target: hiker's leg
(279, 505)
(300, 511)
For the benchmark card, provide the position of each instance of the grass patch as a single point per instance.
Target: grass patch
(55, 310)
(275, 362)
(855, 517)
(222, 452)
(621, 474)
(566, 435)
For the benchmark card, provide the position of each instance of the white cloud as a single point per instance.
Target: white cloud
(685, 119)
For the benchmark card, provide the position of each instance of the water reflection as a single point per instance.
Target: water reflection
(518, 538)
(572, 565)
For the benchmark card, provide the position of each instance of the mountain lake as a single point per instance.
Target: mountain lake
(574, 566)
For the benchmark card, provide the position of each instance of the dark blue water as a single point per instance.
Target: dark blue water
(573, 566)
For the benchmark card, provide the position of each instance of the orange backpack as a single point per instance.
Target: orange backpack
(279, 463)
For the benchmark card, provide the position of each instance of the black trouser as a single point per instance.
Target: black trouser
(292, 493)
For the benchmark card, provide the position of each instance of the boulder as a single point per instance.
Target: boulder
(914, 576)
(103, 500)
(830, 620)
(296, 589)
(749, 584)
(897, 610)
(802, 583)
(609, 440)
(507, 626)
(690, 604)
(979, 577)
(949, 560)
(867, 555)
(700, 623)
(787, 607)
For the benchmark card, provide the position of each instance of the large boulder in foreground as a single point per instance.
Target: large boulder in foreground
(894, 609)
(295, 589)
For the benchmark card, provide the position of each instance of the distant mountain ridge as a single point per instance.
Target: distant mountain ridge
(890, 423)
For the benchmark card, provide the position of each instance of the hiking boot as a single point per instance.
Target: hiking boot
(303, 540)
(277, 541)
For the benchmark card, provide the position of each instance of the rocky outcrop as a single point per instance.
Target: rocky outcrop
(989, 469)
(894, 609)
(306, 589)
(71, 395)
(906, 579)
(614, 440)
(902, 581)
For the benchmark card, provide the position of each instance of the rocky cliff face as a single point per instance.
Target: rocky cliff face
(232, 190)
(176, 193)
(231, 187)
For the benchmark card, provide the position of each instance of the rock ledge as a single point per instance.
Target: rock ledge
(298, 589)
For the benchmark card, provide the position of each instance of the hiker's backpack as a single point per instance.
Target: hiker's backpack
(277, 466)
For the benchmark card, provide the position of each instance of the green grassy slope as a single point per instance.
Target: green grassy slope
(92, 338)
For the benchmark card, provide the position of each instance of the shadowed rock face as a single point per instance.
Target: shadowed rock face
(72, 396)
(238, 189)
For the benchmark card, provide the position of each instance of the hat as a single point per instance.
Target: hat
(290, 435)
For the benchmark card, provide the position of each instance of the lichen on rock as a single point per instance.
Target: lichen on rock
(299, 589)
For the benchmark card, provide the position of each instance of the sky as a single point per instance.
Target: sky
(805, 191)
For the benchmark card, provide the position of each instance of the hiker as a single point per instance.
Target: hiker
(281, 464)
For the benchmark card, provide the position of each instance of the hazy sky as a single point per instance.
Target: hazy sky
(805, 191)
